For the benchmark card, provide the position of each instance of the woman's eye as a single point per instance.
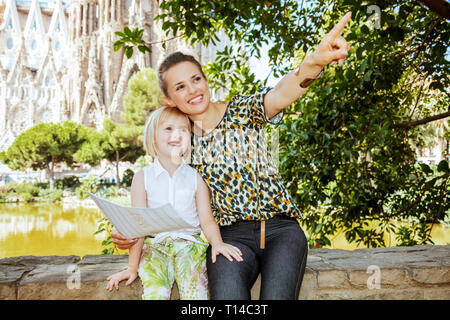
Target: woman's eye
(169, 128)
(197, 79)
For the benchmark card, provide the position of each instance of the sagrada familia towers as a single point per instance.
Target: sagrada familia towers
(57, 60)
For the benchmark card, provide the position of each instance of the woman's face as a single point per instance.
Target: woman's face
(187, 88)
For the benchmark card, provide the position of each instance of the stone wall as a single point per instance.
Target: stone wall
(419, 272)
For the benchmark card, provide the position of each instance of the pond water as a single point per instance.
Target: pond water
(57, 229)
(48, 229)
(440, 234)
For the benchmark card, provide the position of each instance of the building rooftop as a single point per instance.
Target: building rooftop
(44, 4)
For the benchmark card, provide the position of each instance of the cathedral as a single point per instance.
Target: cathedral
(57, 60)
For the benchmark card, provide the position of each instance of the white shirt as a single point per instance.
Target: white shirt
(179, 191)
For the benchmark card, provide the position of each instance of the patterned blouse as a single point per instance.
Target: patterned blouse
(236, 164)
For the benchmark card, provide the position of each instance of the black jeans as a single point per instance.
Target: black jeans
(281, 264)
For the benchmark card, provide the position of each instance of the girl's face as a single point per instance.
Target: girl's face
(173, 138)
(187, 88)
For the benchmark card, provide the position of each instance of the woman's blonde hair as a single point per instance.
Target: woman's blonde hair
(157, 118)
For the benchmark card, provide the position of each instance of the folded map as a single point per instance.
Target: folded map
(135, 222)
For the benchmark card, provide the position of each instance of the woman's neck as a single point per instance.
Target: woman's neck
(207, 121)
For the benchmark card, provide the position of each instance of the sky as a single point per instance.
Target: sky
(261, 68)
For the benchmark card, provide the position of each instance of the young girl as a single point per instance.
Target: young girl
(249, 201)
(179, 255)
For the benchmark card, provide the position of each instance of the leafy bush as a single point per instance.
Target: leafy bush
(24, 188)
(51, 195)
(42, 185)
(108, 192)
(127, 177)
(25, 197)
(68, 182)
(105, 226)
(90, 183)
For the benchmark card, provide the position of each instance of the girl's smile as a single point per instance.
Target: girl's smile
(173, 139)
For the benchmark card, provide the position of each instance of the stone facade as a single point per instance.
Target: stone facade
(57, 60)
(398, 273)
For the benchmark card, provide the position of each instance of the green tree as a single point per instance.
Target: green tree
(120, 144)
(345, 146)
(45, 145)
(142, 98)
(91, 151)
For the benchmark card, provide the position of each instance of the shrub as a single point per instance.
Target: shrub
(89, 183)
(127, 177)
(51, 195)
(25, 188)
(68, 182)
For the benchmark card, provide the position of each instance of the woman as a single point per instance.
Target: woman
(249, 201)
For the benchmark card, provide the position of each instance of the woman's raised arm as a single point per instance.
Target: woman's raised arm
(332, 49)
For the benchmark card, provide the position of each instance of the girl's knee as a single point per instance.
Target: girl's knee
(156, 293)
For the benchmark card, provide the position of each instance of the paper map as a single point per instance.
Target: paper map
(135, 222)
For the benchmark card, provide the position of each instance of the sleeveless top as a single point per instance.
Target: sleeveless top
(179, 191)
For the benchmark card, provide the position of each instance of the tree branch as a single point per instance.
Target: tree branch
(441, 7)
(164, 40)
(417, 100)
(410, 124)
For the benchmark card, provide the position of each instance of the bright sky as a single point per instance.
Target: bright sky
(261, 68)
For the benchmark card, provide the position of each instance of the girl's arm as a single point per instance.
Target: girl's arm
(209, 225)
(138, 199)
(332, 48)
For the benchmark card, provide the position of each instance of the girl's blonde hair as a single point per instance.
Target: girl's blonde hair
(156, 119)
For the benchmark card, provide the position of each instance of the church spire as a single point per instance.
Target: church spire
(10, 17)
(84, 18)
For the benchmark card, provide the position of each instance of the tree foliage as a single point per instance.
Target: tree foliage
(142, 98)
(346, 146)
(45, 145)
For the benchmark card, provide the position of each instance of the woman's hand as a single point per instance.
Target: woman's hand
(333, 47)
(114, 280)
(227, 250)
(120, 241)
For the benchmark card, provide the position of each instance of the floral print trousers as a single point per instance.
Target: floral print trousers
(172, 260)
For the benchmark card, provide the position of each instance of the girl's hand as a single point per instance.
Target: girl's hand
(115, 279)
(227, 250)
(333, 47)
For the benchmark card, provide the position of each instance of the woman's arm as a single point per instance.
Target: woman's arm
(209, 225)
(332, 48)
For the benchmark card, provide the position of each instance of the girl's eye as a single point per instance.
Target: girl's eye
(168, 128)
(179, 88)
(197, 79)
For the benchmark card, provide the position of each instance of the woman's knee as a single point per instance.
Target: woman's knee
(231, 279)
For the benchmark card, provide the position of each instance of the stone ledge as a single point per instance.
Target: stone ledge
(419, 272)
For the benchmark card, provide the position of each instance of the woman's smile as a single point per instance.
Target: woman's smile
(187, 88)
(196, 100)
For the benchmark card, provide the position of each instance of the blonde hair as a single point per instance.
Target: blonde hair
(156, 119)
